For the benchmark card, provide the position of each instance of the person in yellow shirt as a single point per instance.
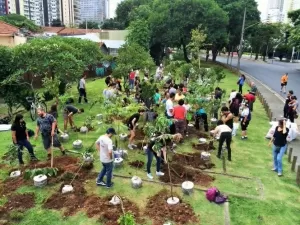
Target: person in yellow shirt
(179, 95)
(284, 80)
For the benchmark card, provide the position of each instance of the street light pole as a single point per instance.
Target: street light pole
(241, 42)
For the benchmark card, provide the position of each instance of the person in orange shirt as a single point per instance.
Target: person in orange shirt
(284, 80)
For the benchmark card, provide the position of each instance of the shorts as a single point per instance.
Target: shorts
(47, 141)
(283, 84)
(244, 126)
(235, 112)
(130, 127)
(65, 115)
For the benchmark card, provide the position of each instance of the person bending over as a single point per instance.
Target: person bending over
(223, 132)
(131, 124)
(69, 112)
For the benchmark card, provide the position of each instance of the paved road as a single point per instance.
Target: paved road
(270, 74)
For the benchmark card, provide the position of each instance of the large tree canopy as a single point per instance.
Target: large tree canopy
(20, 21)
(139, 33)
(294, 39)
(89, 25)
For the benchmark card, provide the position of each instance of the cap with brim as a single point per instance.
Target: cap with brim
(111, 131)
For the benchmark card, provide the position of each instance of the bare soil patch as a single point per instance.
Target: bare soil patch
(12, 184)
(139, 134)
(137, 164)
(193, 160)
(204, 147)
(179, 174)
(159, 211)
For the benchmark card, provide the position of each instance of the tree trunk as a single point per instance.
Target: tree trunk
(207, 55)
(185, 51)
(214, 53)
(256, 56)
(228, 55)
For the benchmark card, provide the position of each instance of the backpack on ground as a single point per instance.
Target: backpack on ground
(214, 195)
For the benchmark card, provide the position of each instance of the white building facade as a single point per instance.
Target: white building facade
(91, 10)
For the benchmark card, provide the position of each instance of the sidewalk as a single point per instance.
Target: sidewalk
(273, 104)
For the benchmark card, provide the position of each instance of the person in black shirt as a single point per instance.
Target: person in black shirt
(131, 124)
(108, 80)
(69, 111)
(227, 116)
(279, 145)
(162, 144)
(20, 138)
(286, 105)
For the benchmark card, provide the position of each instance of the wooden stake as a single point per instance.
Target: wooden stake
(290, 155)
(224, 162)
(294, 163)
(298, 176)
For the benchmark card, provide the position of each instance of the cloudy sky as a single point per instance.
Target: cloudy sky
(262, 7)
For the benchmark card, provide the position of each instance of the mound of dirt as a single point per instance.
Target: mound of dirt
(204, 147)
(193, 160)
(59, 162)
(71, 202)
(107, 213)
(160, 212)
(137, 164)
(12, 184)
(179, 174)
(139, 135)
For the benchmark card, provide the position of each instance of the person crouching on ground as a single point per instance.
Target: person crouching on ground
(131, 124)
(20, 138)
(180, 117)
(245, 120)
(201, 115)
(162, 144)
(250, 98)
(104, 145)
(223, 132)
(46, 124)
(279, 145)
(69, 111)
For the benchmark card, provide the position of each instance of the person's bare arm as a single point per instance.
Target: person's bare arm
(110, 153)
(284, 128)
(97, 145)
(14, 137)
(53, 127)
(37, 130)
(228, 117)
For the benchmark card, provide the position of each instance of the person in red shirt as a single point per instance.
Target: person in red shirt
(179, 113)
(250, 98)
(131, 79)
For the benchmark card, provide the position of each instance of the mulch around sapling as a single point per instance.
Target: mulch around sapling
(20, 202)
(139, 134)
(160, 212)
(137, 164)
(179, 174)
(193, 160)
(95, 206)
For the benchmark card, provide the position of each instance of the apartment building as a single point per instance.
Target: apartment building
(110, 8)
(70, 12)
(3, 7)
(51, 11)
(91, 10)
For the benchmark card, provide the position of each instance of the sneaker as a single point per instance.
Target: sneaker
(159, 173)
(149, 175)
(279, 174)
(275, 170)
(133, 145)
(33, 158)
(101, 183)
(243, 138)
(130, 147)
(111, 185)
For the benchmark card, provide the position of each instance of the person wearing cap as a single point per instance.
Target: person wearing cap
(245, 119)
(104, 145)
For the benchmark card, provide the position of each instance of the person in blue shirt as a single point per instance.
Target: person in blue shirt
(201, 115)
(241, 82)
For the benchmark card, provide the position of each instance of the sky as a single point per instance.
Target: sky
(262, 7)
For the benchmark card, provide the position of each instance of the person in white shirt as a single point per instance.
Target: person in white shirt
(104, 145)
(223, 133)
(110, 92)
(245, 119)
(82, 90)
(232, 96)
(170, 106)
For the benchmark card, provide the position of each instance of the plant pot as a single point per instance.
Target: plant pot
(123, 137)
(118, 162)
(64, 137)
(77, 144)
(213, 120)
(40, 180)
(202, 140)
(99, 116)
(115, 200)
(190, 125)
(173, 201)
(121, 154)
(205, 156)
(14, 174)
(136, 182)
(100, 124)
(67, 189)
(88, 158)
(187, 187)
(84, 130)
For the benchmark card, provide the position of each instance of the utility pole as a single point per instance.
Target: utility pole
(292, 58)
(241, 42)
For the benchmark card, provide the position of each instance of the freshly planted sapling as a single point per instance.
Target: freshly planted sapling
(126, 219)
(51, 172)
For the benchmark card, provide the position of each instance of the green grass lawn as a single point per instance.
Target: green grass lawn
(277, 203)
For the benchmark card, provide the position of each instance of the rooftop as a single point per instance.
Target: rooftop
(7, 29)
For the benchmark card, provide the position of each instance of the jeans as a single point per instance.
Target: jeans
(131, 83)
(241, 88)
(150, 155)
(225, 136)
(106, 170)
(82, 93)
(24, 143)
(278, 153)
